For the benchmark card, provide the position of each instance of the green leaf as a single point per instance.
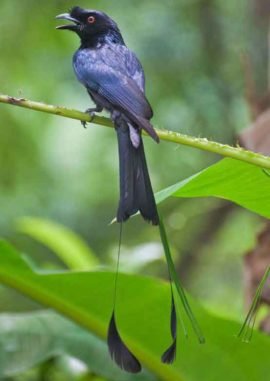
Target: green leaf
(245, 184)
(143, 317)
(27, 339)
(69, 247)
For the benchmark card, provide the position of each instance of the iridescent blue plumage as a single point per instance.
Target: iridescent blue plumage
(114, 79)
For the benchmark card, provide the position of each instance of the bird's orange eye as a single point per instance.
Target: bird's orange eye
(91, 19)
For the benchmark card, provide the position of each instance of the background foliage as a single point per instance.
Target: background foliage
(53, 169)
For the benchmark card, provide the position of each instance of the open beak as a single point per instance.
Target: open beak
(66, 16)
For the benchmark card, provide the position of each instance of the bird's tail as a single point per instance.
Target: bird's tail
(136, 192)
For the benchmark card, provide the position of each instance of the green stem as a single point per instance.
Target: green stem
(169, 136)
(251, 316)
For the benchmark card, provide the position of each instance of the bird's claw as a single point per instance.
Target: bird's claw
(92, 113)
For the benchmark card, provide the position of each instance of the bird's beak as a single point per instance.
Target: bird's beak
(66, 16)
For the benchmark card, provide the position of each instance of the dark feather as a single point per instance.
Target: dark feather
(173, 320)
(145, 125)
(124, 94)
(169, 355)
(136, 192)
(119, 351)
(179, 288)
(116, 91)
(93, 69)
(119, 58)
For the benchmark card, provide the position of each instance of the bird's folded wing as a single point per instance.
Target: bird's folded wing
(125, 95)
(122, 92)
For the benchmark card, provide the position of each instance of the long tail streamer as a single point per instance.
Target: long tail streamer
(169, 355)
(182, 295)
(119, 352)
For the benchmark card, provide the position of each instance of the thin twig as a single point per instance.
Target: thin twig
(169, 136)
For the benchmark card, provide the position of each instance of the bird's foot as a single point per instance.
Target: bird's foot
(92, 113)
(115, 116)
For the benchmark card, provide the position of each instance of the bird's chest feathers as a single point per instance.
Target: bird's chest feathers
(86, 63)
(92, 63)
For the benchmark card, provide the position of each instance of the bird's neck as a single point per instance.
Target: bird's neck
(96, 40)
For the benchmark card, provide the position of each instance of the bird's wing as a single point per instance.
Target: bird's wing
(119, 90)
(124, 95)
(120, 58)
(122, 92)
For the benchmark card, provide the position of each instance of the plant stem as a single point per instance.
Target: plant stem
(169, 136)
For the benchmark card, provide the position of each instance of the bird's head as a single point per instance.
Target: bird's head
(88, 23)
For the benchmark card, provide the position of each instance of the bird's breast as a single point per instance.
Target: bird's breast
(85, 62)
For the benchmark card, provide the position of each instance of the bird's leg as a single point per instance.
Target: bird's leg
(92, 113)
(116, 117)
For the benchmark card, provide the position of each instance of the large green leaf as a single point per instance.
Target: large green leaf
(69, 247)
(242, 183)
(143, 317)
(27, 339)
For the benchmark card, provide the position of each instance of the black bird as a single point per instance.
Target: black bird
(114, 79)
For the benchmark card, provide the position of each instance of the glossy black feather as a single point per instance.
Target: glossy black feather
(116, 89)
(114, 79)
(169, 355)
(119, 351)
(173, 320)
(136, 192)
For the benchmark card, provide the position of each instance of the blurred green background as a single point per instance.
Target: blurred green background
(51, 168)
